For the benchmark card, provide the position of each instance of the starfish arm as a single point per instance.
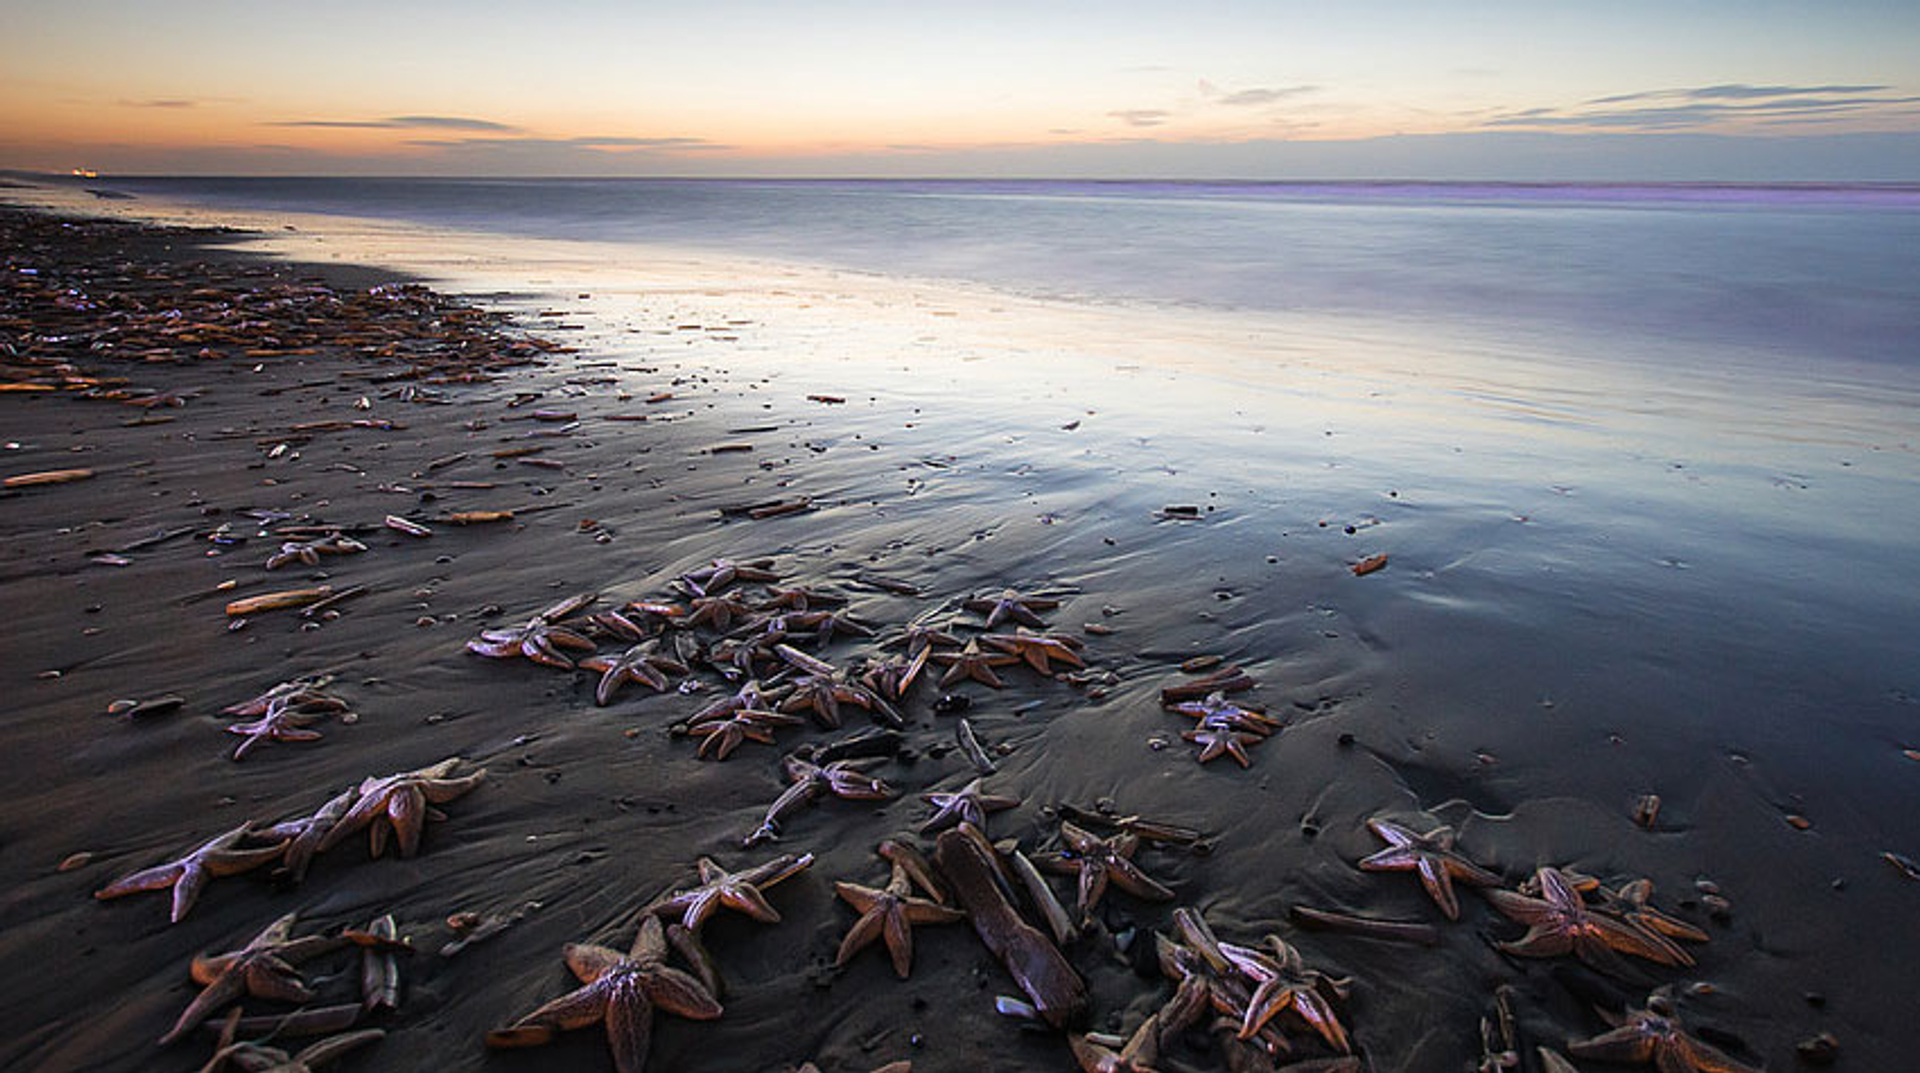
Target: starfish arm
(1624, 1044)
(1268, 1000)
(747, 898)
(159, 877)
(1540, 942)
(1699, 1056)
(540, 650)
(360, 815)
(1439, 887)
(609, 682)
(495, 649)
(224, 989)
(1391, 859)
(921, 911)
(590, 962)
(1128, 877)
(272, 978)
(230, 862)
(186, 890)
(439, 791)
(407, 808)
(863, 932)
(899, 940)
(331, 1048)
(1520, 908)
(1630, 939)
(679, 994)
(575, 1009)
(861, 898)
(1314, 1010)
(1093, 884)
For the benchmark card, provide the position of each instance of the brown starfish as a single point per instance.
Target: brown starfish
(642, 663)
(303, 694)
(1098, 861)
(720, 737)
(1217, 710)
(1038, 649)
(751, 697)
(621, 990)
(1653, 1035)
(401, 801)
(720, 573)
(965, 804)
(893, 676)
(800, 598)
(1136, 1055)
(308, 552)
(1217, 741)
(1560, 922)
(1282, 981)
(255, 1057)
(1206, 980)
(282, 722)
(822, 689)
(971, 662)
(719, 612)
(305, 834)
(889, 914)
(1010, 605)
(1430, 855)
(218, 856)
(735, 890)
(918, 638)
(1632, 903)
(540, 639)
(811, 781)
(263, 968)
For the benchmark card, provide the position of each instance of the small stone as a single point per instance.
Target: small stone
(73, 861)
(1798, 822)
(1820, 1050)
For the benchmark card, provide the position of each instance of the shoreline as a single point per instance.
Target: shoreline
(591, 821)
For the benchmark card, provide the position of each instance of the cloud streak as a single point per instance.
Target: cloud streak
(401, 122)
(1708, 106)
(1141, 117)
(1249, 98)
(618, 143)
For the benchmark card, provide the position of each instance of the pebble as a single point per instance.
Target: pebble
(1820, 1050)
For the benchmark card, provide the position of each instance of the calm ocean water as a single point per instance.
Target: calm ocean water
(1797, 274)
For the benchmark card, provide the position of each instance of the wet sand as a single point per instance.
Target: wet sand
(1411, 693)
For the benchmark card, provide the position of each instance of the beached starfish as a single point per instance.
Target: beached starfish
(309, 551)
(889, 914)
(919, 638)
(1137, 1055)
(305, 834)
(402, 802)
(971, 662)
(621, 990)
(893, 676)
(836, 623)
(751, 697)
(1282, 981)
(1099, 861)
(1653, 1035)
(540, 639)
(263, 968)
(1217, 741)
(616, 625)
(1206, 981)
(1217, 710)
(822, 689)
(282, 722)
(799, 598)
(810, 782)
(1011, 606)
(218, 856)
(642, 663)
(1430, 855)
(723, 572)
(1560, 922)
(742, 891)
(967, 804)
(302, 694)
(719, 612)
(720, 737)
(1038, 649)
(255, 1057)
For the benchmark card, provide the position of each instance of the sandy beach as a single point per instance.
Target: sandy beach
(1539, 652)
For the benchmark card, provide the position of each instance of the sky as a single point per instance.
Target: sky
(1708, 89)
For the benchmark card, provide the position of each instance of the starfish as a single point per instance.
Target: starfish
(617, 625)
(1654, 1035)
(1560, 922)
(800, 598)
(1218, 741)
(1136, 1055)
(810, 781)
(218, 856)
(966, 804)
(1632, 904)
(1038, 649)
(540, 639)
(722, 736)
(1100, 860)
(751, 697)
(621, 990)
(642, 663)
(719, 612)
(921, 637)
(1011, 606)
(263, 968)
(723, 572)
(401, 802)
(281, 722)
(309, 551)
(256, 1057)
(1206, 980)
(718, 887)
(823, 689)
(971, 662)
(838, 622)
(306, 833)
(893, 676)
(1282, 981)
(1217, 710)
(735, 658)
(1432, 856)
(889, 914)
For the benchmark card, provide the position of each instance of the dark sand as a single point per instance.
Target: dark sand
(587, 812)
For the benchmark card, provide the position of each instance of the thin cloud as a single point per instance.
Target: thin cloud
(595, 142)
(1707, 106)
(1247, 98)
(160, 102)
(400, 122)
(1142, 117)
